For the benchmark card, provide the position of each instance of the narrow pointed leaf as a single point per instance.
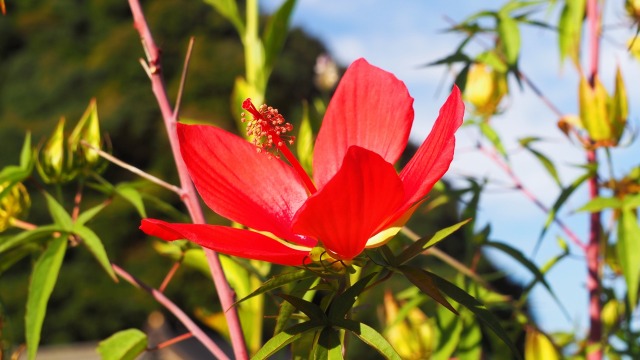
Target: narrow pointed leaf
(285, 338)
(313, 311)
(450, 328)
(133, 196)
(493, 137)
(13, 173)
(548, 164)
(300, 290)
(424, 243)
(344, 302)
(423, 281)
(628, 250)
(304, 140)
(24, 237)
(95, 246)
(58, 213)
(276, 32)
(570, 29)
(89, 214)
(43, 280)
(510, 36)
(278, 281)
(328, 346)
(477, 308)
(229, 10)
(370, 337)
(601, 203)
(123, 345)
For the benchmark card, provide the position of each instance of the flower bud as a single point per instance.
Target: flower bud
(485, 88)
(538, 346)
(87, 130)
(14, 202)
(54, 159)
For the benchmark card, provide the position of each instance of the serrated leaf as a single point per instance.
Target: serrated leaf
(123, 345)
(423, 281)
(342, 303)
(94, 244)
(601, 203)
(493, 137)
(89, 214)
(58, 213)
(279, 281)
(229, 10)
(313, 311)
(510, 36)
(628, 250)
(370, 337)
(424, 243)
(41, 232)
(43, 280)
(133, 196)
(276, 32)
(285, 338)
(477, 308)
(328, 345)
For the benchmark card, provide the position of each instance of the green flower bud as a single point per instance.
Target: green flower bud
(87, 130)
(15, 202)
(485, 88)
(54, 159)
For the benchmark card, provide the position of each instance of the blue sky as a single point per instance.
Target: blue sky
(399, 36)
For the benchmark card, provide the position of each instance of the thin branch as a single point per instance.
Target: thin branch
(175, 310)
(189, 196)
(170, 342)
(170, 274)
(183, 79)
(133, 169)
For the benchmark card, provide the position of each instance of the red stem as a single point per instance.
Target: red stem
(594, 340)
(189, 197)
(176, 311)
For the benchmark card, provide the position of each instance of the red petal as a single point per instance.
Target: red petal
(240, 184)
(435, 154)
(237, 242)
(371, 109)
(353, 205)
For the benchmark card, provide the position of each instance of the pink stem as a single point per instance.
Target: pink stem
(175, 310)
(189, 197)
(527, 193)
(594, 340)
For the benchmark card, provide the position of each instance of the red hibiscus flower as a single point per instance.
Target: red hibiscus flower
(356, 199)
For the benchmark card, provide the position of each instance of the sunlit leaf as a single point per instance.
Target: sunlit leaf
(301, 289)
(628, 250)
(285, 338)
(570, 29)
(95, 246)
(423, 281)
(470, 345)
(41, 232)
(43, 280)
(493, 137)
(424, 243)
(344, 302)
(449, 327)
(548, 164)
(229, 10)
(510, 36)
(601, 203)
(313, 311)
(58, 213)
(14, 174)
(370, 337)
(279, 281)
(123, 345)
(328, 345)
(276, 32)
(132, 195)
(89, 214)
(304, 140)
(538, 346)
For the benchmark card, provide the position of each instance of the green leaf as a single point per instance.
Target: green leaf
(370, 337)
(313, 311)
(279, 281)
(9, 258)
(89, 214)
(493, 137)
(470, 345)
(229, 10)
(451, 59)
(133, 196)
(94, 244)
(449, 327)
(286, 309)
(328, 345)
(58, 213)
(601, 203)
(43, 280)
(421, 279)
(14, 174)
(123, 345)
(548, 164)
(510, 36)
(493, 60)
(285, 338)
(41, 232)
(276, 32)
(344, 302)
(631, 201)
(424, 243)
(628, 250)
(539, 276)
(477, 308)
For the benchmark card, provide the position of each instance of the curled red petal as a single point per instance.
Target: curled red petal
(353, 205)
(237, 242)
(371, 109)
(240, 184)
(434, 156)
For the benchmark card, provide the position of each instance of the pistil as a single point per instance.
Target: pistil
(268, 131)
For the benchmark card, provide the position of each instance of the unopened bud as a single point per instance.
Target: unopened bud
(14, 203)
(54, 159)
(87, 130)
(485, 88)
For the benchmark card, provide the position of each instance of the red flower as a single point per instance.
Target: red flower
(356, 198)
